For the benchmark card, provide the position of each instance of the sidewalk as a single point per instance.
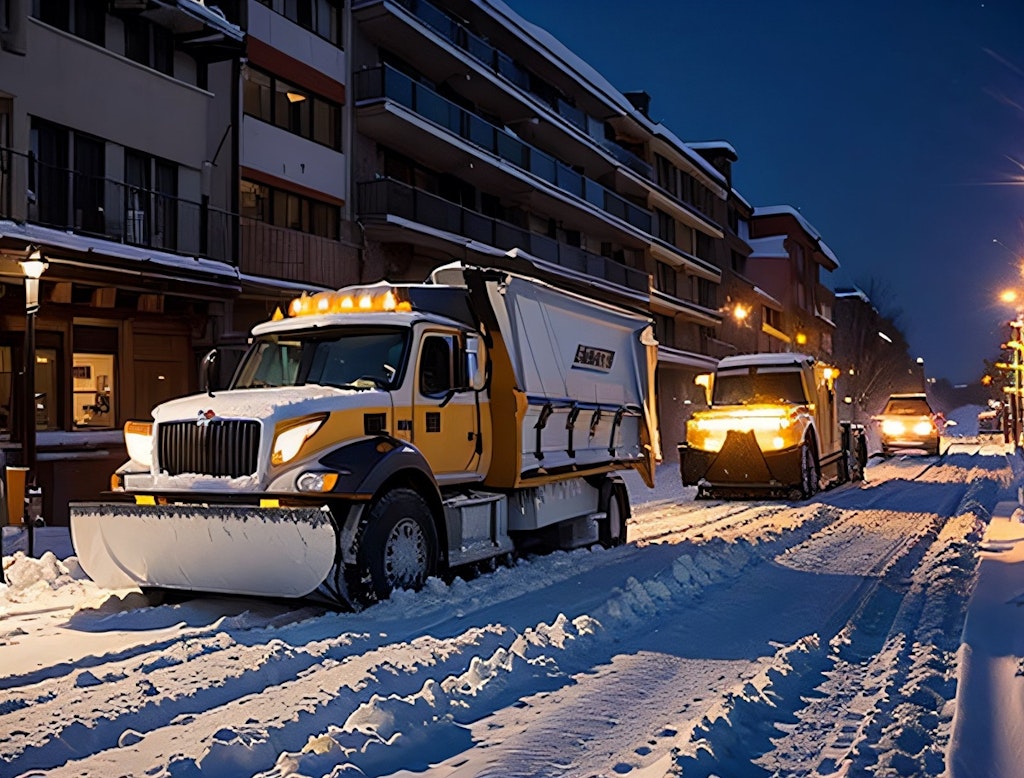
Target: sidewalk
(987, 738)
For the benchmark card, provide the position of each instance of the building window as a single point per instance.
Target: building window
(291, 211)
(665, 226)
(291, 108)
(322, 17)
(665, 330)
(739, 263)
(85, 19)
(667, 278)
(149, 44)
(90, 167)
(92, 390)
(707, 293)
(771, 317)
(151, 200)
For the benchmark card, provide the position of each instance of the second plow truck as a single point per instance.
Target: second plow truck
(379, 435)
(772, 428)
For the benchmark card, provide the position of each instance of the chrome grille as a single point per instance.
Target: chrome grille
(218, 447)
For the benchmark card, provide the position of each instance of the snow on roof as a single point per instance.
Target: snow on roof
(784, 358)
(211, 15)
(847, 292)
(561, 55)
(777, 210)
(772, 247)
(702, 145)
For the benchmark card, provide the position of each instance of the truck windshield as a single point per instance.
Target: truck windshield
(350, 359)
(750, 387)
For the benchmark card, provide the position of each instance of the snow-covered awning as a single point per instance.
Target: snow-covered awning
(71, 251)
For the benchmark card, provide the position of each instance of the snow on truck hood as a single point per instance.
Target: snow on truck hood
(269, 404)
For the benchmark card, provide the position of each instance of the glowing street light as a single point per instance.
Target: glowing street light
(33, 267)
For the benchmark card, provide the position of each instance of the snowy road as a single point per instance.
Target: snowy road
(729, 638)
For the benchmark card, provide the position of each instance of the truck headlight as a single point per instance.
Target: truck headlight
(316, 482)
(138, 439)
(288, 442)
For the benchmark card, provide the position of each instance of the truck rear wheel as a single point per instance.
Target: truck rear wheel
(612, 530)
(397, 547)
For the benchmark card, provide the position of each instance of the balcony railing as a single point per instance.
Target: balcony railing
(66, 199)
(386, 82)
(388, 197)
(502, 64)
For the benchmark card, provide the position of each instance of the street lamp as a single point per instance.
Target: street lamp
(33, 267)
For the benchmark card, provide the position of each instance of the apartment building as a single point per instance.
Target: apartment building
(478, 134)
(185, 169)
(787, 260)
(104, 149)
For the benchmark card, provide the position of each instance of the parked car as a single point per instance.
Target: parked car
(908, 423)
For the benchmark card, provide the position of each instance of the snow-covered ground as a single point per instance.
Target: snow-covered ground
(745, 638)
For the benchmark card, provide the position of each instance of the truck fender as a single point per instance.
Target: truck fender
(365, 465)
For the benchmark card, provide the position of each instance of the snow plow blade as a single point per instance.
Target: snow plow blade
(263, 552)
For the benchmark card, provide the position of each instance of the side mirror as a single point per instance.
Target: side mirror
(475, 372)
(707, 380)
(207, 371)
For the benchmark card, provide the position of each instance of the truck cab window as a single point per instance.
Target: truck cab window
(355, 358)
(436, 365)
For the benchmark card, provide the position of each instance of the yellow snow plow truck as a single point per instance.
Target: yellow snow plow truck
(772, 427)
(379, 435)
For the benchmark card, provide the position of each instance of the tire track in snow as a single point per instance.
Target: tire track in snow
(880, 707)
(229, 739)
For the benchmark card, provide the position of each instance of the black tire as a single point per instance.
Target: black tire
(397, 547)
(809, 474)
(611, 531)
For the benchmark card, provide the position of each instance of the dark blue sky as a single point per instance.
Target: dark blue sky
(895, 126)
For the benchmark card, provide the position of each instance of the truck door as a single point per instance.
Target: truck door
(445, 414)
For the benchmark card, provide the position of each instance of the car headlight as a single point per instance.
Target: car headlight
(288, 442)
(892, 428)
(924, 428)
(138, 439)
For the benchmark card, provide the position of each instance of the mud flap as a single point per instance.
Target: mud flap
(264, 552)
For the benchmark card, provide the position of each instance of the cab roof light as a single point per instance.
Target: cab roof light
(376, 299)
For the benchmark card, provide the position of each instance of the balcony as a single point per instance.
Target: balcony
(389, 31)
(386, 83)
(384, 198)
(68, 200)
(663, 302)
(277, 252)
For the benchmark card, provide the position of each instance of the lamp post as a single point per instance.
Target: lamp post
(33, 268)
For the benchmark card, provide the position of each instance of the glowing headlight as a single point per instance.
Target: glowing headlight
(923, 428)
(288, 443)
(893, 428)
(138, 438)
(316, 482)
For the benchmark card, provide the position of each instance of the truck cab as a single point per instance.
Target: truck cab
(772, 426)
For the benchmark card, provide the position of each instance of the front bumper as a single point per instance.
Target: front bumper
(740, 465)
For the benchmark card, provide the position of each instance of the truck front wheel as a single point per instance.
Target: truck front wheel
(397, 547)
(809, 475)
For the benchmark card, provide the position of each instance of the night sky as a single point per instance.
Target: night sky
(896, 127)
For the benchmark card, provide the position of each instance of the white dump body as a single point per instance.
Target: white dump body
(586, 369)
